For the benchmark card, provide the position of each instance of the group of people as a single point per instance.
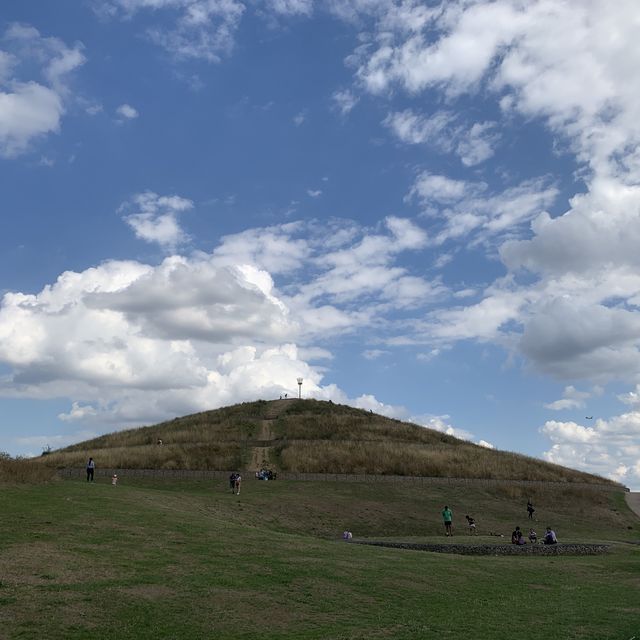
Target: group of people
(235, 479)
(517, 537)
(265, 474)
(549, 537)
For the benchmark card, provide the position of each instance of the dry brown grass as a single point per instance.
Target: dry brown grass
(392, 458)
(23, 471)
(312, 437)
(225, 455)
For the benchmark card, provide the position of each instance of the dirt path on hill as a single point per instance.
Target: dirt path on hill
(260, 458)
(633, 501)
(260, 455)
(265, 432)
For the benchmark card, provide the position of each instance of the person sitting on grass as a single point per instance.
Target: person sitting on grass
(517, 537)
(533, 536)
(472, 525)
(550, 536)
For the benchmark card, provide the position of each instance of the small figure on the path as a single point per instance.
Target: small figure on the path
(91, 466)
(472, 525)
(530, 509)
(237, 483)
(533, 536)
(447, 517)
(232, 482)
(550, 536)
(347, 535)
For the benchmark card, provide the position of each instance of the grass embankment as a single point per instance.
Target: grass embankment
(189, 560)
(312, 437)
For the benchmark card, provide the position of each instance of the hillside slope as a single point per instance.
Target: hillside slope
(306, 436)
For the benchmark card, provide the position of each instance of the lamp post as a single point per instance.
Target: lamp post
(299, 388)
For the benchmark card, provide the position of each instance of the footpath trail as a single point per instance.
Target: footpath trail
(260, 458)
(633, 501)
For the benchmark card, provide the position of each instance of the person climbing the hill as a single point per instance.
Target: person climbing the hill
(472, 525)
(237, 483)
(447, 517)
(91, 466)
(530, 509)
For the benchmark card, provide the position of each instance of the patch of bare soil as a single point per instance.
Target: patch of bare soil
(260, 458)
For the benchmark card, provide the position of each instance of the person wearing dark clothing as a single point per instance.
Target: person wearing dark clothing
(472, 525)
(232, 482)
(530, 510)
(517, 537)
(91, 465)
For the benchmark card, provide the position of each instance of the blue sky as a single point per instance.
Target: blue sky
(429, 210)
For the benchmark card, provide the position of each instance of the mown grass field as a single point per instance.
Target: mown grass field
(166, 559)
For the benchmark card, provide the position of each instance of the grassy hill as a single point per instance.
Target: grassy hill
(306, 436)
(187, 560)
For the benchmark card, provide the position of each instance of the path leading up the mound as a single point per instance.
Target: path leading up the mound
(260, 458)
(633, 502)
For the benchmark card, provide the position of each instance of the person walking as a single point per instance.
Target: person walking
(232, 482)
(238, 481)
(530, 509)
(472, 525)
(447, 517)
(91, 466)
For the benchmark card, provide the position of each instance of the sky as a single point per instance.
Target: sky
(430, 210)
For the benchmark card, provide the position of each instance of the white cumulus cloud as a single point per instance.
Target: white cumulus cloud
(32, 105)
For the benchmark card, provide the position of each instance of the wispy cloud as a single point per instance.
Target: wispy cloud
(127, 112)
(154, 218)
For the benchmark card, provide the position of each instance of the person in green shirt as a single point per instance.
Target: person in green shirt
(447, 516)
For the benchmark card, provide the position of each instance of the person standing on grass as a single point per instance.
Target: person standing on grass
(232, 482)
(91, 465)
(237, 483)
(447, 517)
(530, 509)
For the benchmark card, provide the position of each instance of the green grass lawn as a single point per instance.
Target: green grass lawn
(161, 560)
